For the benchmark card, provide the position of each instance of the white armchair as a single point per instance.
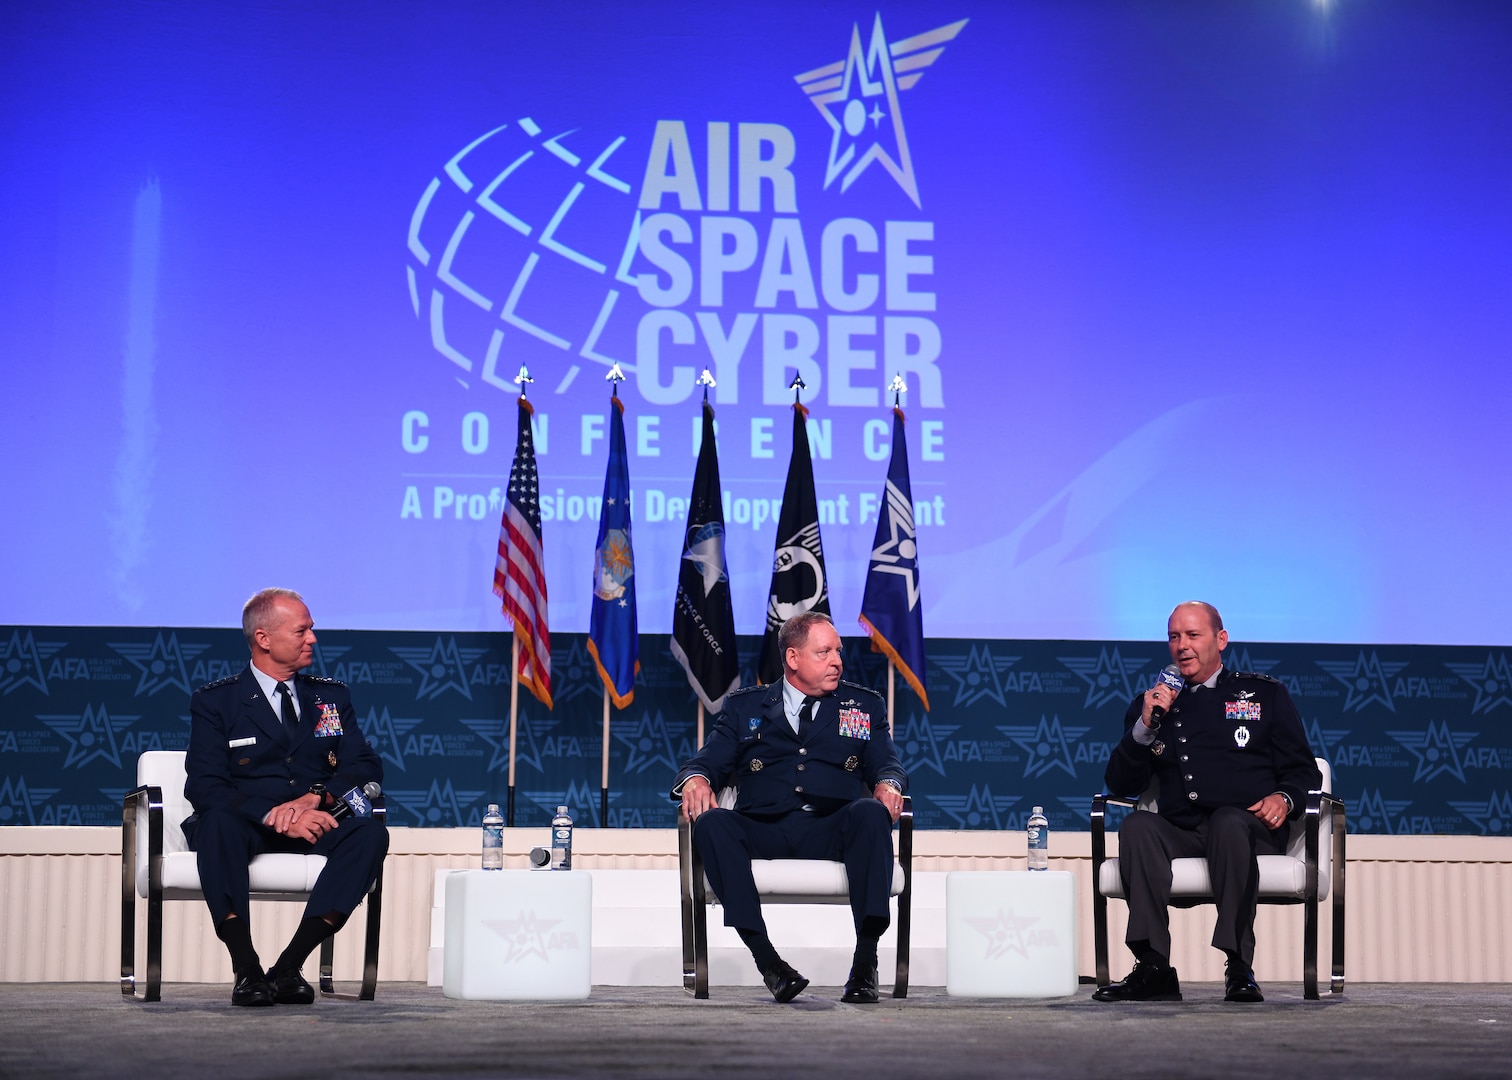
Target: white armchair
(157, 865)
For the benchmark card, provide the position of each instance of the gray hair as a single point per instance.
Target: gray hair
(259, 609)
(794, 633)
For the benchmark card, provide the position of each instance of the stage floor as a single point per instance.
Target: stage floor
(1375, 1030)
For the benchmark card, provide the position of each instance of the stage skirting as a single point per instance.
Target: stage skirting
(1421, 909)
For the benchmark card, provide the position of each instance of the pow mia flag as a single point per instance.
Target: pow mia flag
(799, 583)
(703, 620)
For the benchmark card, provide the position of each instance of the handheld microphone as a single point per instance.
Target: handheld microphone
(1170, 676)
(358, 802)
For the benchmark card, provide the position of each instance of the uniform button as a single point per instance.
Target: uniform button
(1188, 776)
(1183, 757)
(1178, 723)
(1181, 739)
(799, 789)
(289, 761)
(802, 750)
(291, 783)
(1192, 794)
(800, 767)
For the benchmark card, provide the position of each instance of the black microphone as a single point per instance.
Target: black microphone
(358, 802)
(1170, 676)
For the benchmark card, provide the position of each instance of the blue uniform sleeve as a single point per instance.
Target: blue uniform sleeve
(1129, 765)
(209, 784)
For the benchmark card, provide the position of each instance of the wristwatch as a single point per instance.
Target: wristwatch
(320, 790)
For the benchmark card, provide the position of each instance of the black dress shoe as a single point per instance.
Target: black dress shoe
(252, 989)
(861, 987)
(1145, 983)
(784, 983)
(290, 988)
(1239, 983)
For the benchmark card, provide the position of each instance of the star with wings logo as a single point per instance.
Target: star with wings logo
(495, 732)
(979, 808)
(1366, 679)
(91, 735)
(1239, 659)
(859, 100)
(326, 657)
(649, 743)
(1490, 816)
(574, 675)
(385, 734)
(1492, 681)
(1005, 933)
(442, 667)
(19, 802)
(1436, 749)
(1324, 741)
(579, 794)
(976, 674)
(918, 742)
(526, 935)
(437, 805)
(1374, 814)
(1108, 676)
(161, 663)
(21, 661)
(1047, 745)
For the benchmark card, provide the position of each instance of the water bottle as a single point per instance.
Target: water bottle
(493, 838)
(1039, 840)
(561, 840)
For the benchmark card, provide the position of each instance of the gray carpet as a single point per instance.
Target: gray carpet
(58, 1030)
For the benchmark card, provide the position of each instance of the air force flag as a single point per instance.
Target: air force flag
(612, 634)
(890, 608)
(703, 620)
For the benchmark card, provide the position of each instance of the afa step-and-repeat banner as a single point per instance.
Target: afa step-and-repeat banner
(1418, 736)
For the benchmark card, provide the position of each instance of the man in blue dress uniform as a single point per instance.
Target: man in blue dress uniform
(818, 778)
(270, 752)
(1234, 766)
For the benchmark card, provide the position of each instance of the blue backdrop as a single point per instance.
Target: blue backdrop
(1418, 736)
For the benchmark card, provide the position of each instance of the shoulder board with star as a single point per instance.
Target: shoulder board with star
(227, 681)
(1256, 675)
(858, 686)
(747, 690)
(321, 680)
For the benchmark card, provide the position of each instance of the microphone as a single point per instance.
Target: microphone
(358, 802)
(1170, 676)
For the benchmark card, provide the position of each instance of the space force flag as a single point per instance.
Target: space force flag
(890, 608)
(519, 578)
(612, 637)
(703, 620)
(799, 583)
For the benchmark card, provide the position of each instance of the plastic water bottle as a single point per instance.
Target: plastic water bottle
(1039, 840)
(561, 840)
(493, 838)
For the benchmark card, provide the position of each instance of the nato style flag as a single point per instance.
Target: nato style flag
(799, 583)
(612, 638)
(890, 608)
(703, 620)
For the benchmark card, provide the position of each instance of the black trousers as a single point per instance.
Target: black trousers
(226, 842)
(859, 834)
(1229, 840)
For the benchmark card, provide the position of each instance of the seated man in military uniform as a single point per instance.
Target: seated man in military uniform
(818, 778)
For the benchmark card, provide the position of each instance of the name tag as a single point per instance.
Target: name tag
(241, 742)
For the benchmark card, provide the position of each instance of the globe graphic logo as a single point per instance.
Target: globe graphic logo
(519, 253)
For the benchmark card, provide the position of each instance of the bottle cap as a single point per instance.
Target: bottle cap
(1039, 809)
(562, 810)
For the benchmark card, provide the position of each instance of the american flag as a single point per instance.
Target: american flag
(520, 571)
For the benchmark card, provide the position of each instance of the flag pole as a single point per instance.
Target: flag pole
(514, 719)
(699, 745)
(604, 780)
(892, 677)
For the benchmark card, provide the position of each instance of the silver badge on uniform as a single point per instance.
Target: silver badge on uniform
(851, 763)
(756, 765)
(1241, 736)
(1157, 748)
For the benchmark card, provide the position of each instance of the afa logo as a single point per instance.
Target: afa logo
(1437, 749)
(1109, 676)
(977, 675)
(1492, 682)
(530, 737)
(21, 661)
(573, 675)
(91, 735)
(1367, 680)
(1238, 658)
(440, 805)
(978, 808)
(1373, 814)
(859, 100)
(1007, 933)
(162, 663)
(918, 743)
(530, 936)
(1491, 816)
(390, 736)
(20, 803)
(649, 743)
(329, 665)
(442, 667)
(1325, 742)
(579, 796)
(1046, 745)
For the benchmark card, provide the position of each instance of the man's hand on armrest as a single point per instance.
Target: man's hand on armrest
(697, 796)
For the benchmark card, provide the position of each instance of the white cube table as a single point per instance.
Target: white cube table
(518, 935)
(1010, 933)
